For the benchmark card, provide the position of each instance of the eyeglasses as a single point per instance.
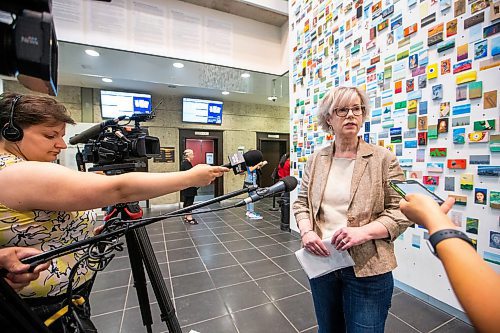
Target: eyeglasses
(357, 110)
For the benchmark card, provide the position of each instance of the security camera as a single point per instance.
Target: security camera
(272, 98)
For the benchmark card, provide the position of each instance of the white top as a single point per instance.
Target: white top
(333, 210)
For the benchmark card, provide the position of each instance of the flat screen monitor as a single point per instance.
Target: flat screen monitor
(118, 103)
(201, 111)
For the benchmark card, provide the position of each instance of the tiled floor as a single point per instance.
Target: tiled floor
(231, 274)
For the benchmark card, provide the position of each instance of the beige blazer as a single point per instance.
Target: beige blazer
(372, 199)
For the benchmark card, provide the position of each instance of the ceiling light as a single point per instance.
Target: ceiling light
(245, 75)
(225, 93)
(178, 65)
(107, 80)
(92, 53)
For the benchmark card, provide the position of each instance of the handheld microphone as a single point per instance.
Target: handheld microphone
(94, 131)
(239, 162)
(286, 184)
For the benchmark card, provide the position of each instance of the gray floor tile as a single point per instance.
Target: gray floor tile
(222, 230)
(109, 323)
(242, 296)
(179, 243)
(238, 245)
(132, 294)
(199, 307)
(262, 241)
(280, 286)
(218, 325)
(301, 277)
(229, 275)
(108, 300)
(106, 280)
(251, 233)
(187, 266)
(262, 269)
(288, 262)
(132, 321)
(181, 254)
(233, 236)
(176, 235)
(455, 326)
(395, 325)
(264, 318)
(299, 310)
(248, 255)
(219, 260)
(211, 249)
(284, 237)
(417, 313)
(274, 250)
(192, 283)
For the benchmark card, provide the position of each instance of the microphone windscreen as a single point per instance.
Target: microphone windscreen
(253, 157)
(290, 183)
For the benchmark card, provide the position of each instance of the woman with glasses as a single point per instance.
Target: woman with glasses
(345, 199)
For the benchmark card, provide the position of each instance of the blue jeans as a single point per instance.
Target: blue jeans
(346, 303)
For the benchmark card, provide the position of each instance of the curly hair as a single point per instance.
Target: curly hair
(340, 97)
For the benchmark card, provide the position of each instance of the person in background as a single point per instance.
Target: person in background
(46, 206)
(478, 286)
(284, 171)
(189, 193)
(251, 179)
(345, 199)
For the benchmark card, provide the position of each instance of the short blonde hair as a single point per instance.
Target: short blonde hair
(187, 152)
(340, 97)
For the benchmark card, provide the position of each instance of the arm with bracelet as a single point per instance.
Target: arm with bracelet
(475, 283)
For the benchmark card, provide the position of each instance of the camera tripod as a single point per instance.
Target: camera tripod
(142, 256)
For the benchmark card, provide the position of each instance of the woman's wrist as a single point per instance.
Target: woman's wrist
(302, 234)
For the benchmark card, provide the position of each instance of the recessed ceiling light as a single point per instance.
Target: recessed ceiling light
(92, 53)
(107, 80)
(245, 75)
(178, 64)
(225, 93)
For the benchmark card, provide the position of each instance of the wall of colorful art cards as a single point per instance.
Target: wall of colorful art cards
(431, 71)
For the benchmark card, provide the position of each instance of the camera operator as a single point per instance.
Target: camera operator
(50, 206)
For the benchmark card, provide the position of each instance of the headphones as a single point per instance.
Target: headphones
(12, 132)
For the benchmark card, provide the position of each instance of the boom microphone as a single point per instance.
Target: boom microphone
(286, 184)
(94, 131)
(239, 162)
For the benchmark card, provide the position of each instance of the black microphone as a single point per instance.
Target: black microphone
(94, 131)
(238, 162)
(80, 164)
(286, 184)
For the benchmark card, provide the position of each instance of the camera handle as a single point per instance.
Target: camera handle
(141, 255)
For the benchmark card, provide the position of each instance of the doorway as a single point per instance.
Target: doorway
(207, 148)
(272, 146)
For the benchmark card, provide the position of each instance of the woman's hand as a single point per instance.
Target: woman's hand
(348, 237)
(18, 276)
(423, 210)
(204, 174)
(312, 243)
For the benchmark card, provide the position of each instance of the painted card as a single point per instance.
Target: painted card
(462, 52)
(476, 89)
(410, 85)
(495, 240)
(398, 87)
(459, 136)
(445, 66)
(412, 121)
(435, 167)
(460, 121)
(437, 91)
(432, 71)
(471, 225)
(495, 199)
(488, 170)
(432, 132)
(495, 46)
(480, 196)
(466, 181)
(442, 126)
(449, 184)
(431, 180)
(420, 155)
(457, 163)
(478, 136)
(444, 109)
(422, 82)
(484, 125)
(456, 218)
(410, 144)
(460, 200)
(437, 152)
(480, 49)
(490, 99)
(422, 107)
(479, 159)
(415, 239)
(451, 28)
(415, 175)
(422, 138)
(494, 143)
(461, 93)
(459, 7)
(422, 123)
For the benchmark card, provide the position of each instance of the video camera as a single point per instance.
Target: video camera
(111, 146)
(28, 44)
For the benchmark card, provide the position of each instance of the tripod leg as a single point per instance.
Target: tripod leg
(167, 309)
(139, 279)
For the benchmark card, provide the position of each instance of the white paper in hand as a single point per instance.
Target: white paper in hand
(316, 266)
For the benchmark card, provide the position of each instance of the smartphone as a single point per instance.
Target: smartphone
(411, 186)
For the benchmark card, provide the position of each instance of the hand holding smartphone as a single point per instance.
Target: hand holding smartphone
(411, 186)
